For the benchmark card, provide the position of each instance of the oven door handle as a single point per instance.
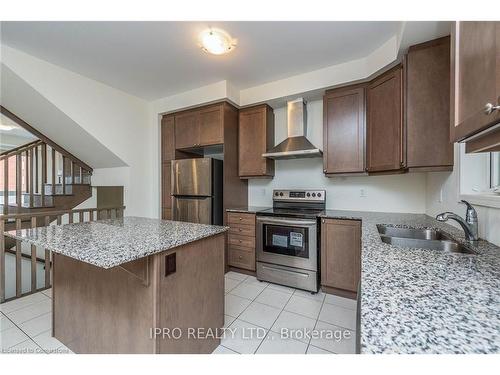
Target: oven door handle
(266, 219)
(304, 275)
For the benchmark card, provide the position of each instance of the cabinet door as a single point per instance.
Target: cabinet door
(344, 131)
(187, 130)
(211, 126)
(385, 123)
(166, 199)
(256, 135)
(427, 105)
(475, 76)
(167, 138)
(340, 253)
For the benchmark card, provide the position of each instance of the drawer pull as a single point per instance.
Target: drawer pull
(240, 257)
(305, 275)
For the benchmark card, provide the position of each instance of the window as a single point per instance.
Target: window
(480, 177)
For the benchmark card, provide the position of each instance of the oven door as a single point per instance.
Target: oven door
(287, 241)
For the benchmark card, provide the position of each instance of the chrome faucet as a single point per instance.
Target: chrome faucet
(469, 225)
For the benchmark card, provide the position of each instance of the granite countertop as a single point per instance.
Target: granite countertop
(248, 209)
(110, 243)
(425, 301)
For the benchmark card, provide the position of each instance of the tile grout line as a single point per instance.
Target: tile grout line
(283, 309)
(317, 319)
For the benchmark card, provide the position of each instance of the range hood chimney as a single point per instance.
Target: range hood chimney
(296, 145)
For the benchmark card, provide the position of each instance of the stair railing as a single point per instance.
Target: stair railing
(33, 220)
(26, 171)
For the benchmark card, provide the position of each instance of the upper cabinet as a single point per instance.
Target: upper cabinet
(384, 118)
(475, 83)
(344, 131)
(199, 127)
(427, 87)
(256, 136)
(167, 139)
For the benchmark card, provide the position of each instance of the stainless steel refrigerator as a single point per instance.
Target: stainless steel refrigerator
(197, 190)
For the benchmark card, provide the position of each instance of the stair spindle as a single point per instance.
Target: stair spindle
(6, 185)
(53, 171)
(19, 181)
(47, 258)
(33, 259)
(31, 174)
(44, 171)
(18, 261)
(35, 152)
(2, 260)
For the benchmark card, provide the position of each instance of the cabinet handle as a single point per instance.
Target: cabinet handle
(324, 170)
(240, 229)
(490, 108)
(240, 241)
(240, 218)
(323, 221)
(240, 257)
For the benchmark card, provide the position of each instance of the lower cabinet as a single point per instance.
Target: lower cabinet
(241, 240)
(340, 255)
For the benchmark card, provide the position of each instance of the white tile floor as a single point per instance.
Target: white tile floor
(26, 324)
(258, 314)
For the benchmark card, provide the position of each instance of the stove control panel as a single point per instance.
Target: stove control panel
(299, 195)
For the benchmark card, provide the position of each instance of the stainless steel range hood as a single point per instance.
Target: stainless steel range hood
(296, 145)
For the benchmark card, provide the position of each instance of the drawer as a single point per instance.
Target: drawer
(242, 230)
(240, 218)
(234, 239)
(241, 259)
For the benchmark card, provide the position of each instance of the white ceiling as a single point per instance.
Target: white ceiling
(152, 60)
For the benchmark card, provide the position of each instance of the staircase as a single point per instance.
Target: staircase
(40, 176)
(40, 184)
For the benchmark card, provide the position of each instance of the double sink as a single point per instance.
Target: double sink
(421, 238)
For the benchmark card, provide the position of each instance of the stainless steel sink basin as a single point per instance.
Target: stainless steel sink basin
(419, 234)
(421, 238)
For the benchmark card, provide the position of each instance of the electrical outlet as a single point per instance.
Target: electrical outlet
(362, 193)
(440, 199)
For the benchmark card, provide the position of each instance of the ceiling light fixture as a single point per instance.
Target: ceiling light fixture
(217, 41)
(7, 127)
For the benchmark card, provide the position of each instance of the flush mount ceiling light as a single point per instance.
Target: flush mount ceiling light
(217, 41)
(6, 127)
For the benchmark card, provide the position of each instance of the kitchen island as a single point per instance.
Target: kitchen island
(135, 285)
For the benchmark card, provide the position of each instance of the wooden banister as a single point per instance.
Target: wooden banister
(42, 137)
(36, 220)
(19, 149)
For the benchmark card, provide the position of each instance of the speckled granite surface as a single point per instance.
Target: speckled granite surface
(426, 301)
(248, 209)
(109, 243)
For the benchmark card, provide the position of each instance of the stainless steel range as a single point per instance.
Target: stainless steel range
(287, 248)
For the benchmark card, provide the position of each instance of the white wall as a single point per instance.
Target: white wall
(117, 120)
(442, 194)
(397, 193)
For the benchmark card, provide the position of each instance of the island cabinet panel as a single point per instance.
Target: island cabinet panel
(475, 81)
(187, 130)
(427, 87)
(97, 310)
(241, 240)
(256, 136)
(385, 136)
(193, 296)
(340, 256)
(344, 131)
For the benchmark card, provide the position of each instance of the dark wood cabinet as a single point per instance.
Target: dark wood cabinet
(166, 200)
(167, 138)
(256, 136)
(385, 134)
(199, 127)
(241, 240)
(427, 85)
(211, 126)
(344, 131)
(475, 79)
(187, 130)
(340, 256)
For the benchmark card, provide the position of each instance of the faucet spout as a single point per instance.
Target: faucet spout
(469, 225)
